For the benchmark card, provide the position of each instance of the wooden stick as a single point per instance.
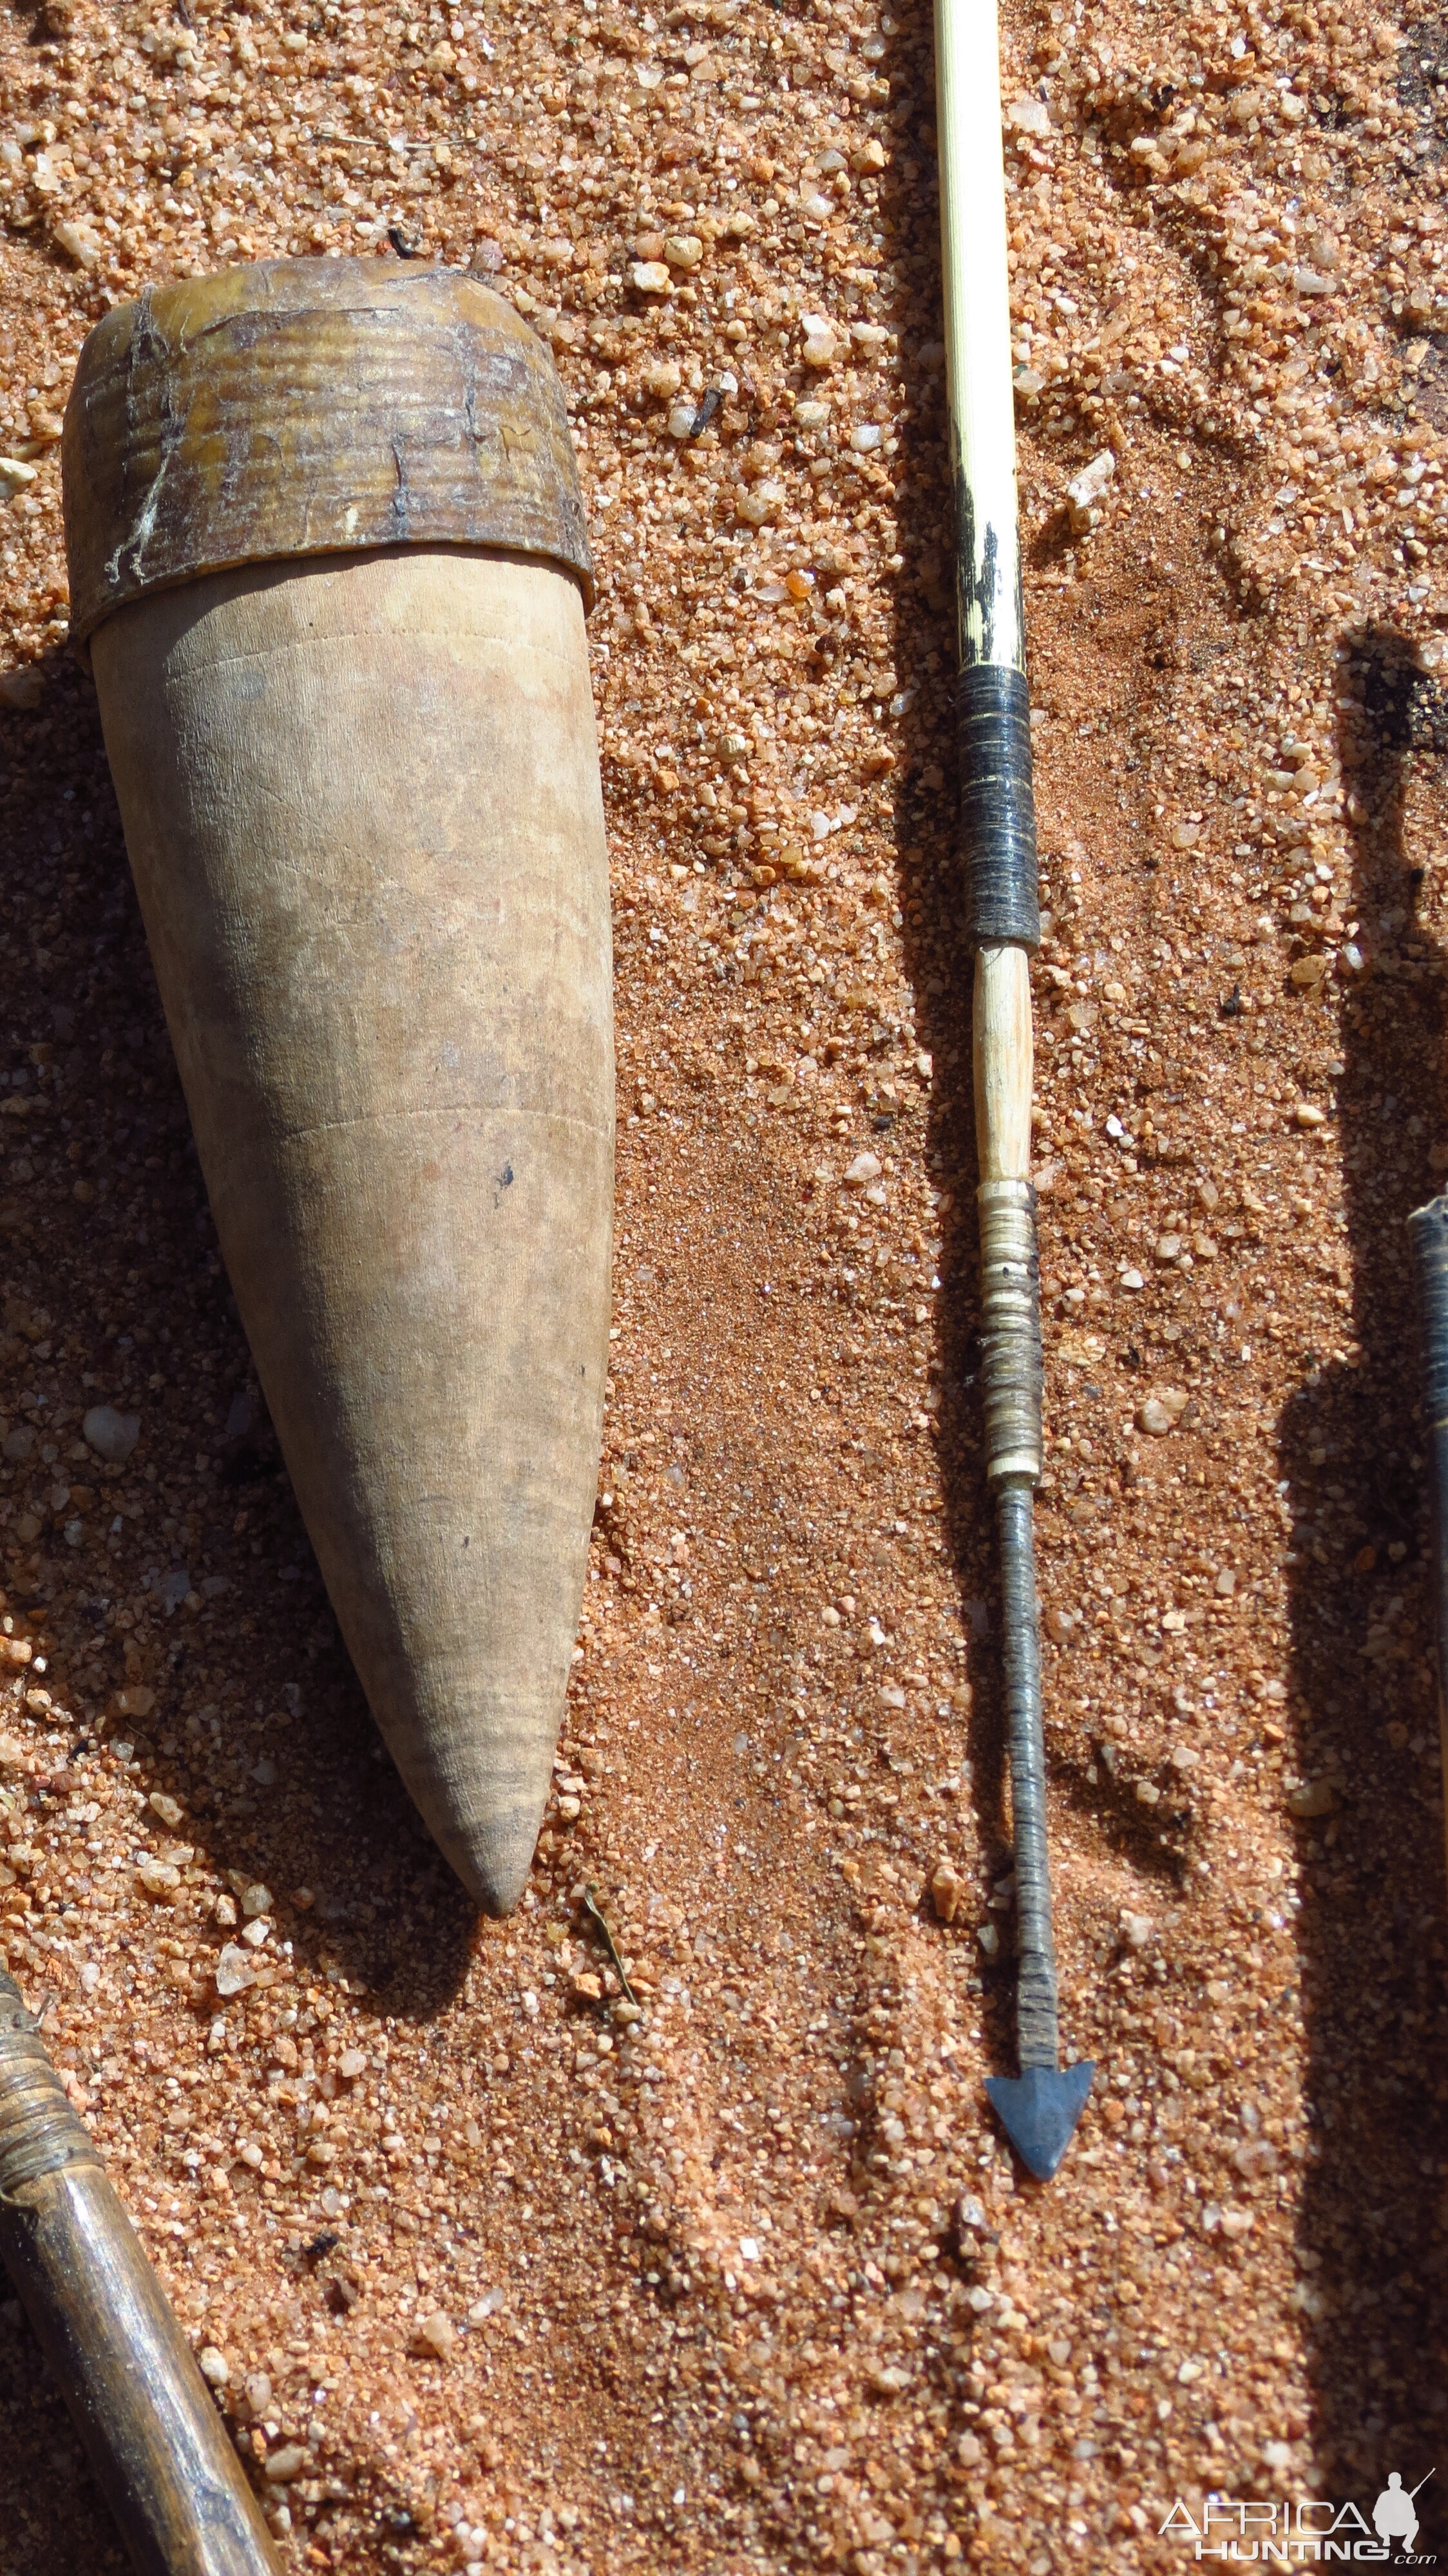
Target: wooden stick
(156, 2445)
(1428, 1236)
(1040, 2110)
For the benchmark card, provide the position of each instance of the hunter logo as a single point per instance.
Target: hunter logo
(1308, 2531)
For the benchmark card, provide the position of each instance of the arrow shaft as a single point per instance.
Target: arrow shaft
(1428, 1237)
(999, 852)
(978, 332)
(1011, 1373)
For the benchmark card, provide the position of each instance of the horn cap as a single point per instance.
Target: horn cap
(310, 407)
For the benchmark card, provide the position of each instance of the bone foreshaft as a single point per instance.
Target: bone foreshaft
(1010, 1271)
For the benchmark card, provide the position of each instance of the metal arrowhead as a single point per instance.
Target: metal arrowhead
(1039, 2110)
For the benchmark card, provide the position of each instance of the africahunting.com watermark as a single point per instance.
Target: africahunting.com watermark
(1305, 2531)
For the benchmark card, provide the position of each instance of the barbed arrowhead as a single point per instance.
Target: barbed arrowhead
(1039, 2110)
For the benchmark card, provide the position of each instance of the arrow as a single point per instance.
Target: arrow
(1040, 2108)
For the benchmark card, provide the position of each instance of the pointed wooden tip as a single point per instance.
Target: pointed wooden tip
(493, 1859)
(478, 1760)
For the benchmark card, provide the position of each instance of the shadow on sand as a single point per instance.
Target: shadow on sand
(248, 1712)
(1363, 1709)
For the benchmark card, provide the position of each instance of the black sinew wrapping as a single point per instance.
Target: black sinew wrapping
(997, 806)
(1036, 1999)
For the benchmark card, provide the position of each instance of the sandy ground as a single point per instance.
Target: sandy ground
(489, 2269)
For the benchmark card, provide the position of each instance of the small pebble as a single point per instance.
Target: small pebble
(112, 1435)
(1313, 1798)
(436, 2335)
(79, 241)
(763, 503)
(947, 1889)
(821, 348)
(234, 1971)
(1087, 490)
(889, 2380)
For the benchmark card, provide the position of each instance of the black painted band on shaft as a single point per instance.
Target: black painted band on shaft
(997, 806)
